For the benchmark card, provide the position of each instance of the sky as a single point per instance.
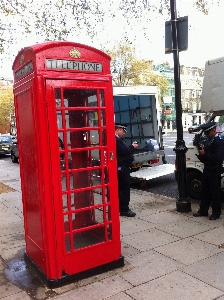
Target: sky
(204, 37)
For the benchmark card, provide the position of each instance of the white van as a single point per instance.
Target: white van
(212, 103)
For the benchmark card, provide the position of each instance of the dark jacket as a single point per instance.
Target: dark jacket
(214, 153)
(124, 153)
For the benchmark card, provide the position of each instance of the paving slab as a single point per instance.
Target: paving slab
(16, 252)
(6, 287)
(184, 228)
(7, 217)
(175, 286)
(189, 250)
(210, 270)
(214, 236)
(16, 184)
(120, 296)
(148, 266)
(12, 199)
(2, 265)
(128, 250)
(133, 225)
(11, 228)
(149, 239)
(98, 290)
(18, 296)
(159, 217)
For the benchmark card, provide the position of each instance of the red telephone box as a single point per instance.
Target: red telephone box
(65, 127)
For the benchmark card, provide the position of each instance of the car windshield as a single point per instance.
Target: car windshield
(5, 139)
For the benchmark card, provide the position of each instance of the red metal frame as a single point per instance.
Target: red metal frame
(65, 128)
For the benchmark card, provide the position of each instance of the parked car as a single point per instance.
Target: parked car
(6, 141)
(193, 129)
(14, 152)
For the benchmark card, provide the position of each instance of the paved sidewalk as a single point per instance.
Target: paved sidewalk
(168, 255)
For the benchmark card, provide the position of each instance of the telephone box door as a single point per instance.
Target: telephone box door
(81, 127)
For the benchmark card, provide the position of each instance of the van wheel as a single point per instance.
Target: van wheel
(14, 159)
(194, 185)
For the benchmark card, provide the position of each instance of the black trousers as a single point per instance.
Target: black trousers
(210, 193)
(124, 188)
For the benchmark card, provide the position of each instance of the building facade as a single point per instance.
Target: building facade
(191, 87)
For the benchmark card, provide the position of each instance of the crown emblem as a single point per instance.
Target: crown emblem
(22, 59)
(75, 53)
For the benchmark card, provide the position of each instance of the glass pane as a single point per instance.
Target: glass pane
(61, 140)
(63, 182)
(61, 147)
(71, 177)
(80, 139)
(59, 119)
(106, 176)
(94, 137)
(84, 159)
(67, 185)
(107, 194)
(83, 118)
(87, 218)
(65, 202)
(102, 102)
(103, 120)
(97, 193)
(89, 237)
(108, 213)
(62, 163)
(84, 199)
(77, 98)
(72, 199)
(66, 223)
(67, 243)
(109, 231)
(104, 137)
(58, 97)
(85, 179)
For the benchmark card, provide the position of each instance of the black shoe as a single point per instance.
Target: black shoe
(214, 217)
(200, 214)
(128, 213)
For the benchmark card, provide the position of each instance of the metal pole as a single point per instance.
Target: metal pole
(182, 204)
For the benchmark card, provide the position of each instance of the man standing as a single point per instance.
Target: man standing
(124, 163)
(211, 153)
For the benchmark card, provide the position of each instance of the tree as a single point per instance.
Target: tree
(128, 70)
(6, 108)
(62, 19)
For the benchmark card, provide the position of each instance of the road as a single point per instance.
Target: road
(165, 185)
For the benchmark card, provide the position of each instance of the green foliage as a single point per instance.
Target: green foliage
(6, 106)
(128, 70)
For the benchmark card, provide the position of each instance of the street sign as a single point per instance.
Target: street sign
(182, 35)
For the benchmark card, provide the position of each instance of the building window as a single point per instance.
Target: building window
(199, 93)
(187, 94)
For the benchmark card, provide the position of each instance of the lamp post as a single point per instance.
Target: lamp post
(183, 203)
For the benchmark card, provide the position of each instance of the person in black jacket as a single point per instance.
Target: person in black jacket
(211, 154)
(124, 163)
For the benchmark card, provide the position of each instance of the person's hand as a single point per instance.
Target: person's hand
(201, 150)
(135, 145)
